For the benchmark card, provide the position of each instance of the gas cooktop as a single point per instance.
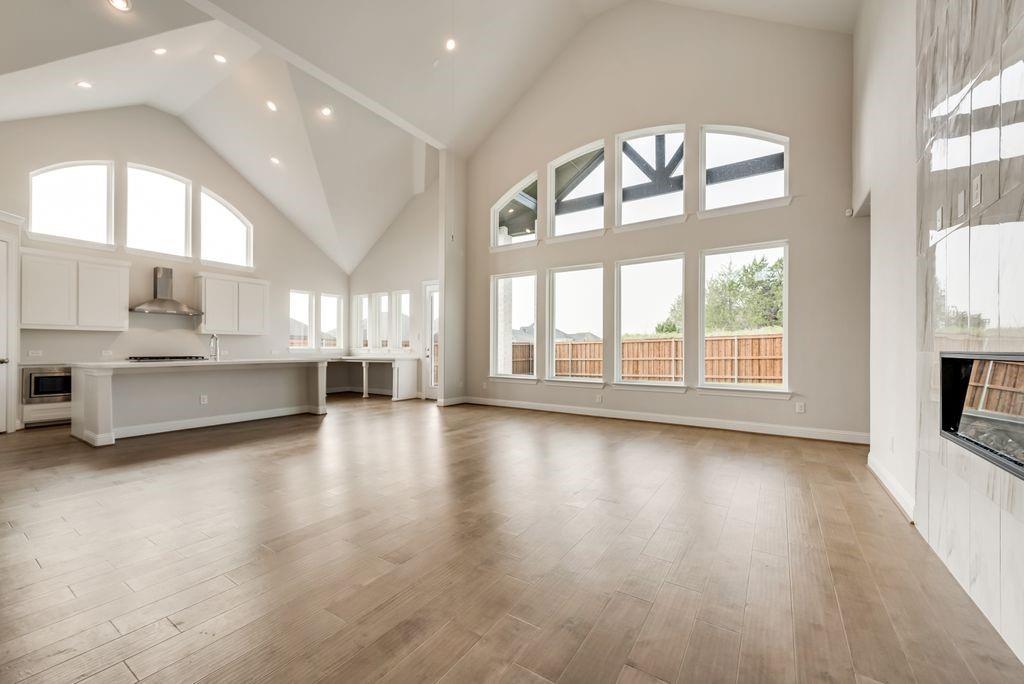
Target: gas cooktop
(144, 359)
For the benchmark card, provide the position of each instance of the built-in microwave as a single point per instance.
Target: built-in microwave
(45, 384)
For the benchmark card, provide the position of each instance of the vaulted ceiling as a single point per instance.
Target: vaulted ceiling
(381, 66)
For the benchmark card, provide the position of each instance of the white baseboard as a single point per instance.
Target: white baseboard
(692, 421)
(456, 400)
(96, 440)
(207, 421)
(900, 495)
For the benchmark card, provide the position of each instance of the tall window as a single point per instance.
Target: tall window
(382, 313)
(650, 321)
(577, 192)
(514, 217)
(73, 201)
(226, 234)
(743, 316)
(514, 325)
(300, 320)
(362, 311)
(651, 176)
(577, 323)
(741, 166)
(403, 319)
(159, 211)
(330, 321)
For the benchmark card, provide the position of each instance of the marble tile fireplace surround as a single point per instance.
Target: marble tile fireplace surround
(970, 124)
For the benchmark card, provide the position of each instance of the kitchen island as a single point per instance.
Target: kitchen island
(114, 399)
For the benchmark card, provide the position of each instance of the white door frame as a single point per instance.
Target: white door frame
(10, 232)
(426, 371)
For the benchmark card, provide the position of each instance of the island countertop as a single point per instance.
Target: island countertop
(209, 363)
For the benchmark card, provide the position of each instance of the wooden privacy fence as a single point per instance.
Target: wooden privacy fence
(751, 359)
(997, 386)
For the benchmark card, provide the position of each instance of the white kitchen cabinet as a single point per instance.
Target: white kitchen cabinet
(232, 305)
(102, 296)
(252, 308)
(64, 292)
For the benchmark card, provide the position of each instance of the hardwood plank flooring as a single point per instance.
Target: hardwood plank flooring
(406, 543)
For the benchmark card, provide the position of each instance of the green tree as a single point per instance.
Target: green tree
(744, 298)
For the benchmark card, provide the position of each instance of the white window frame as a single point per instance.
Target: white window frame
(249, 237)
(550, 332)
(494, 328)
(396, 317)
(313, 328)
(651, 223)
(110, 244)
(341, 320)
(187, 256)
(743, 131)
(357, 311)
(617, 378)
(505, 199)
(549, 195)
(375, 338)
(782, 391)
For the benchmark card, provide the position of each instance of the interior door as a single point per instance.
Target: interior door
(5, 365)
(431, 366)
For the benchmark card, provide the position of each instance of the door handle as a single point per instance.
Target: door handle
(3, 361)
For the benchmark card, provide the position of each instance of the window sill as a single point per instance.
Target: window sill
(514, 245)
(781, 394)
(159, 255)
(515, 379)
(744, 208)
(672, 388)
(582, 235)
(575, 382)
(71, 242)
(653, 223)
(226, 266)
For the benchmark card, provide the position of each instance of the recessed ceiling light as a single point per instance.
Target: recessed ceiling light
(84, 84)
(275, 161)
(121, 5)
(511, 210)
(220, 58)
(271, 105)
(326, 111)
(160, 51)
(449, 44)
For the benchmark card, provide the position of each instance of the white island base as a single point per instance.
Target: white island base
(117, 399)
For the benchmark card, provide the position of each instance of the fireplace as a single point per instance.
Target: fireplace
(982, 406)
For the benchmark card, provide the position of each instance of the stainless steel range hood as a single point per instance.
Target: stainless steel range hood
(163, 301)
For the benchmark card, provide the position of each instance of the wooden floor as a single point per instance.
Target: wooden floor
(468, 544)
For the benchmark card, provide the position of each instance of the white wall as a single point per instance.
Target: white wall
(885, 185)
(282, 254)
(651, 63)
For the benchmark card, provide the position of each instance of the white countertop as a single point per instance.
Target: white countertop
(208, 362)
(383, 358)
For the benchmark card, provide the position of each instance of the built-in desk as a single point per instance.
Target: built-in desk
(404, 373)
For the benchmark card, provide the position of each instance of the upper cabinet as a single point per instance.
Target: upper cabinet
(64, 292)
(232, 305)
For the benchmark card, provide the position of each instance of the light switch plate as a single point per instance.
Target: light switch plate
(938, 218)
(976, 191)
(35, 352)
(961, 204)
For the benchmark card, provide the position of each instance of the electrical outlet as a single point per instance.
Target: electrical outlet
(801, 407)
(203, 400)
(106, 352)
(599, 399)
(483, 385)
(35, 352)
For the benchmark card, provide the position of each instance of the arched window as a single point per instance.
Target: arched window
(514, 217)
(650, 175)
(73, 201)
(576, 191)
(159, 211)
(226, 234)
(742, 166)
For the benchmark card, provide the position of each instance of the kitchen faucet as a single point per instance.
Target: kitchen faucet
(214, 347)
